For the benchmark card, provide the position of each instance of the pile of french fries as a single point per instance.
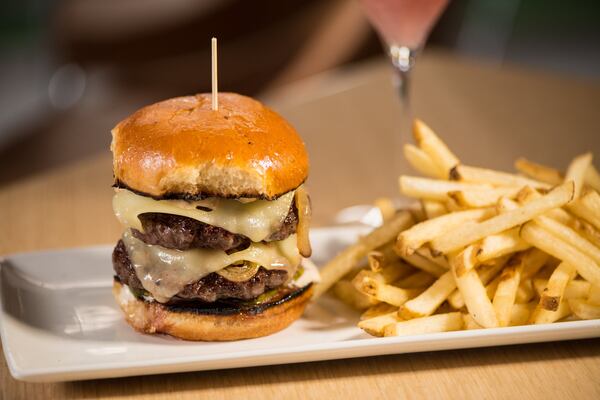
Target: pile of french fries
(483, 249)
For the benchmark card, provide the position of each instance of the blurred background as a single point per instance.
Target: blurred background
(71, 69)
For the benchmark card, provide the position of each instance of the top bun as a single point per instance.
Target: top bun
(181, 148)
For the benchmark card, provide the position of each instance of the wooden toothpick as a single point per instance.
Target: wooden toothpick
(215, 86)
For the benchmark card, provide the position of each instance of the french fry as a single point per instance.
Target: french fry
(363, 275)
(431, 144)
(594, 296)
(475, 297)
(411, 239)
(506, 293)
(422, 163)
(533, 260)
(418, 215)
(498, 245)
(427, 302)
(527, 194)
(539, 172)
(490, 288)
(377, 310)
(584, 310)
(469, 323)
(553, 293)
(345, 291)
(386, 207)
(477, 198)
(419, 279)
(520, 313)
(576, 289)
(435, 189)
(345, 261)
(490, 269)
(539, 284)
(375, 326)
(439, 260)
(388, 251)
(471, 232)
(505, 204)
(466, 173)
(387, 275)
(453, 206)
(395, 270)
(580, 210)
(541, 316)
(592, 178)
(433, 208)
(435, 323)
(588, 231)
(383, 292)
(425, 264)
(577, 170)
(587, 207)
(376, 260)
(465, 261)
(455, 300)
(540, 238)
(525, 291)
(560, 215)
(569, 236)
(486, 273)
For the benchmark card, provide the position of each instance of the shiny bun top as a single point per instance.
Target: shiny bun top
(181, 148)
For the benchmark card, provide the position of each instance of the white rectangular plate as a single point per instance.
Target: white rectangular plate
(58, 321)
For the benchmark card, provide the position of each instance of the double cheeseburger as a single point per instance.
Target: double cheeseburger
(216, 219)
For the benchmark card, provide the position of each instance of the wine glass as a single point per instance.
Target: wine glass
(403, 26)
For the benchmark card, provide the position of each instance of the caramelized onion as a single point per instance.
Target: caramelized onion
(304, 213)
(239, 273)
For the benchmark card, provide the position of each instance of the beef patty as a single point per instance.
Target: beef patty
(183, 233)
(209, 289)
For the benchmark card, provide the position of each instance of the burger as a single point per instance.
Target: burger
(216, 219)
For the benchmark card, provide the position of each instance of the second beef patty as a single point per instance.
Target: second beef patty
(209, 289)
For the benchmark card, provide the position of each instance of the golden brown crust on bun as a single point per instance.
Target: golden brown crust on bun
(181, 147)
(154, 317)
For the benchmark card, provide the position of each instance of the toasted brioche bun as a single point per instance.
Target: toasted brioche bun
(196, 324)
(182, 148)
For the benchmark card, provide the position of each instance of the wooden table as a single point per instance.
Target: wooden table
(349, 119)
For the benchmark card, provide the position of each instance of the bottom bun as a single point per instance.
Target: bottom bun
(211, 324)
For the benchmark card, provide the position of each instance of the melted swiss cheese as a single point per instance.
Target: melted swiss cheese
(165, 272)
(257, 219)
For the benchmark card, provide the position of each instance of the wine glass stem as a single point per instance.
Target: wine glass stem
(402, 82)
(403, 59)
